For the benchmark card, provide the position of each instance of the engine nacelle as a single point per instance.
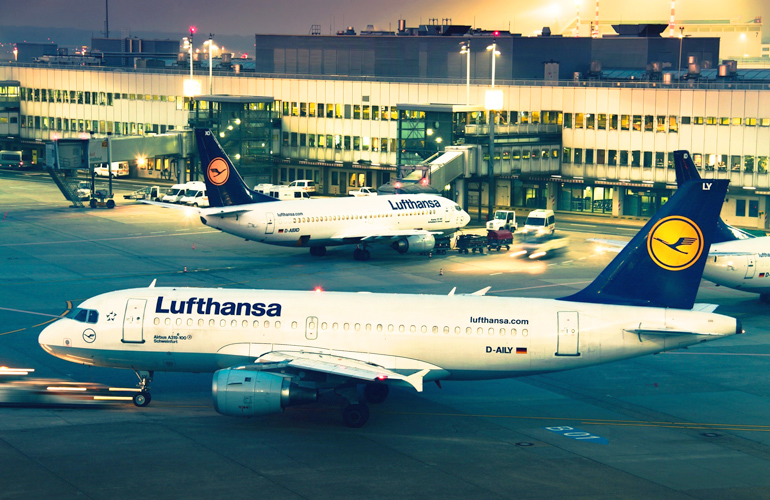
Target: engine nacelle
(415, 244)
(239, 392)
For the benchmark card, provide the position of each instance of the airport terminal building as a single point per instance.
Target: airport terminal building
(585, 124)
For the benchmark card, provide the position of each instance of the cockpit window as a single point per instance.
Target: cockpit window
(457, 208)
(84, 315)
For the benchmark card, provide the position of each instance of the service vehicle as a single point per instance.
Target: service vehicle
(84, 190)
(303, 185)
(264, 188)
(287, 193)
(363, 191)
(149, 193)
(195, 197)
(498, 239)
(175, 193)
(540, 222)
(471, 243)
(11, 159)
(118, 169)
(539, 246)
(504, 219)
(101, 199)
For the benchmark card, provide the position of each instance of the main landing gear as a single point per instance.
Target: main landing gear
(361, 254)
(356, 413)
(143, 398)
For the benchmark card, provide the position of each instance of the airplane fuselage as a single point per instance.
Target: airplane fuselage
(740, 264)
(453, 337)
(339, 221)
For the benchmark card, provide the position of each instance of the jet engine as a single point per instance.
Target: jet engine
(239, 392)
(415, 244)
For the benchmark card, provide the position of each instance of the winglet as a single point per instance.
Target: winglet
(483, 291)
(152, 285)
(224, 185)
(663, 264)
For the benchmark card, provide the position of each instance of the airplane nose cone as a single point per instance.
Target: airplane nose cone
(47, 336)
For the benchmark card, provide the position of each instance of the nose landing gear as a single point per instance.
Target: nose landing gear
(143, 398)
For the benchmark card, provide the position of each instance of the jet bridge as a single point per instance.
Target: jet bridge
(443, 168)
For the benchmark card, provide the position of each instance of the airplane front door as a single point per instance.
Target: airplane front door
(269, 223)
(569, 334)
(133, 321)
(311, 328)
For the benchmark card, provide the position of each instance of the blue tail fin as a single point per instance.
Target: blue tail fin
(663, 264)
(224, 184)
(685, 170)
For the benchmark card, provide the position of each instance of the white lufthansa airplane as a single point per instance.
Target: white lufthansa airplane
(270, 349)
(737, 259)
(406, 223)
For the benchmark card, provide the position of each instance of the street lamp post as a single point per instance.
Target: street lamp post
(466, 49)
(211, 45)
(493, 102)
(679, 66)
(193, 29)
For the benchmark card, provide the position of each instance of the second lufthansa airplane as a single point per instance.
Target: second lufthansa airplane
(406, 223)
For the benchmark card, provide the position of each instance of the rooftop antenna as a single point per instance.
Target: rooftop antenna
(106, 18)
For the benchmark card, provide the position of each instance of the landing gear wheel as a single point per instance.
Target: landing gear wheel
(365, 255)
(142, 399)
(355, 415)
(376, 393)
(317, 251)
(358, 254)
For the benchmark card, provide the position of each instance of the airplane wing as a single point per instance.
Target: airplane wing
(230, 211)
(335, 365)
(376, 233)
(609, 245)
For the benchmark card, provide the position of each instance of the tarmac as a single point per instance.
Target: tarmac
(689, 424)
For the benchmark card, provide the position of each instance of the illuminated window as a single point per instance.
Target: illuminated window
(178, 321)
(401, 328)
(245, 324)
(277, 324)
(457, 330)
(255, 324)
(168, 321)
(294, 325)
(324, 325)
(480, 331)
(446, 329)
(335, 326)
(156, 321)
(234, 323)
(267, 324)
(222, 323)
(424, 329)
(189, 321)
(212, 322)
(469, 330)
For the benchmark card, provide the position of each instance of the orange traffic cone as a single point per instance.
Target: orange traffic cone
(441, 271)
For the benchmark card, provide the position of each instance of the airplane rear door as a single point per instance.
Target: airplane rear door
(133, 321)
(569, 334)
(269, 223)
(750, 267)
(311, 328)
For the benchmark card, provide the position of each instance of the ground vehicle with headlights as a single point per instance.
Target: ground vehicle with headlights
(503, 219)
(148, 193)
(540, 222)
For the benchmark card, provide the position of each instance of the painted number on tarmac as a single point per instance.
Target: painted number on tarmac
(577, 434)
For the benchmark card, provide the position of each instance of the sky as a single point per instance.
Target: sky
(247, 17)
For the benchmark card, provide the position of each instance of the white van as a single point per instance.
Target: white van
(288, 193)
(11, 159)
(174, 193)
(118, 168)
(540, 222)
(303, 185)
(195, 197)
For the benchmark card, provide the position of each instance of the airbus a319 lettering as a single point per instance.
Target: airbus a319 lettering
(272, 349)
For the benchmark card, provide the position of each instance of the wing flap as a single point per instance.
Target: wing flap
(376, 233)
(339, 365)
